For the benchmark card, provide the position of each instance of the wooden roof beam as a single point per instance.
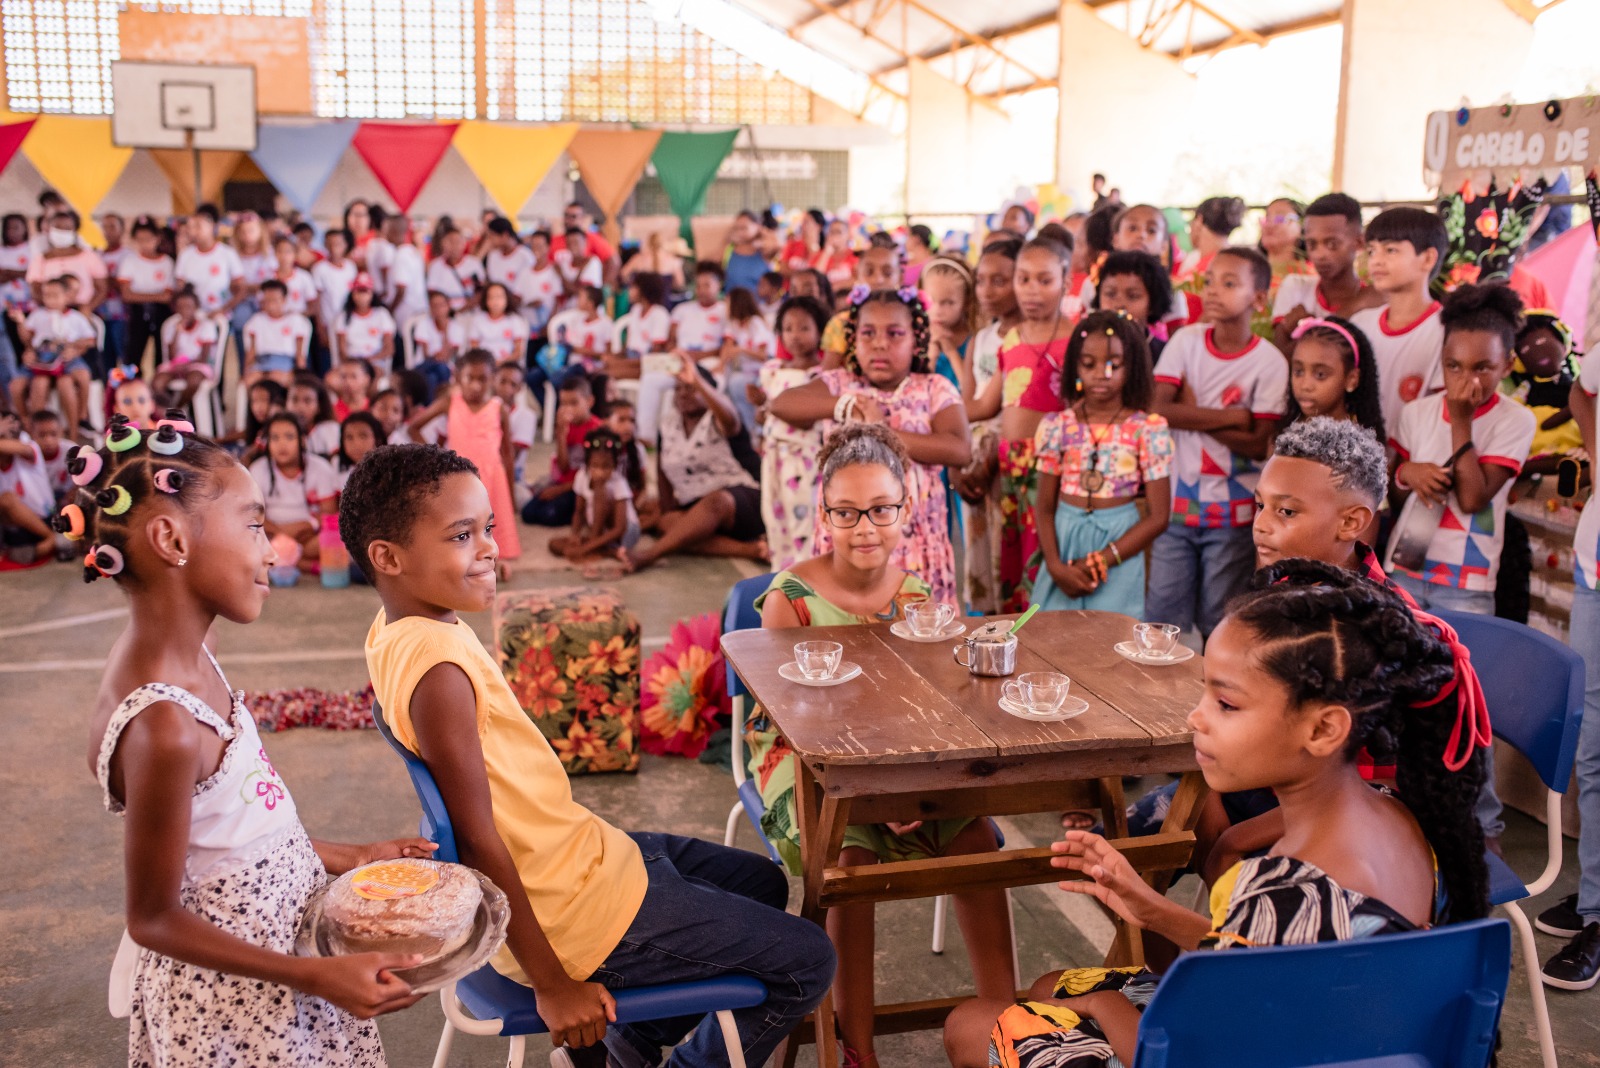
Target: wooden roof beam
(836, 6)
(1267, 34)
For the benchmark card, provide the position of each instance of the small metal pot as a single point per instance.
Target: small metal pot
(991, 650)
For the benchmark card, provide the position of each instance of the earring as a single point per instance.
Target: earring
(182, 560)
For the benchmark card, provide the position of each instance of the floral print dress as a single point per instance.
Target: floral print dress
(250, 870)
(925, 548)
(789, 471)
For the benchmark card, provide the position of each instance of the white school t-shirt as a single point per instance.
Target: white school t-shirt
(405, 269)
(1213, 486)
(287, 335)
(572, 327)
(505, 338)
(508, 268)
(1299, 291)
(257, 268)
(592, 273)
(1586, 540)
(428, 341)
(300, 292)
(180, 344)
(1465, 550)
(140, 275)
(60, 328)
(333, 286)
(29, 480)
(700, 329)
(616, 485)
(1409, 364)
(642, 330)
(539, 289)
(459, 283)
(363, 334)
(293, 500)
(15, 258)
(211, 274)
(754, 335)
(324, 439)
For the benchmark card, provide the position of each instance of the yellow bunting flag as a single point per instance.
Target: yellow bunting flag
(76, 157)
(511, 161)
(611, 163)
(216, 167)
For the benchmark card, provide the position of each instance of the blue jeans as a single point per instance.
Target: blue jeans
(8, 360)
(711, 911)
(1195, 572)
(241, 315)
(1585, 640)
(1433, 596)
(745, 373)
(434, 372)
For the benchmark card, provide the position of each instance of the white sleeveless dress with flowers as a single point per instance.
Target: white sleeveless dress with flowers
(250, 870)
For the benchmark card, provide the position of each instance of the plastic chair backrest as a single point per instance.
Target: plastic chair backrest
(1334, 1003)
(1534, 687)
(408, 339)
(740, 614)
(435, 824)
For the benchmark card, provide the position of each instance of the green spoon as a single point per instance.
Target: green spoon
(1023, 619)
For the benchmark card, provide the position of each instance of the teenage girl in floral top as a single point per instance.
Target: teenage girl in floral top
(1094, 460)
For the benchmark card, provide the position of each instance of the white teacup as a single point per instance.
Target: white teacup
(1155, 639)
(927, 618)
(818, 660)
(1040, 692)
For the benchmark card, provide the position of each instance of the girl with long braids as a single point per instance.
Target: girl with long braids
(219, 868)
(888, 379)
(1301, 675)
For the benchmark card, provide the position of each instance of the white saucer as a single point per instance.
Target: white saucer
(1074, 706)
(954, 629)
(1131, 651)
(847, 671)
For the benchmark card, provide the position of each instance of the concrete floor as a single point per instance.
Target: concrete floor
(60, 912)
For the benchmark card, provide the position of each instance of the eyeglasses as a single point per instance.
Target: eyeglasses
(1282, 220)
(881, 515)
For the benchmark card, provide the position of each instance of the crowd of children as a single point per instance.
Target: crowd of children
(1071, 417)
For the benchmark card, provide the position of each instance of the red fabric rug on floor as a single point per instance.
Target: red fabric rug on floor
(334, 710)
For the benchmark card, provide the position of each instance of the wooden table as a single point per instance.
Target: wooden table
(917, 737)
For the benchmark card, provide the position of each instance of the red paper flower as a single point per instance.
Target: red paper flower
(685, 689)
(1488, 223)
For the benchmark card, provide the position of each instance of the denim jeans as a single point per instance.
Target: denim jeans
(1433, 596)
(711, 911)
(241, 315)
(1585, 640)
(8, 360)
(1195, 572)
(747, 373)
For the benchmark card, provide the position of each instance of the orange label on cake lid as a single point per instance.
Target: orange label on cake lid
(386, 882)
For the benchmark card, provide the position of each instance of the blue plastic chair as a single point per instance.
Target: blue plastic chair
(500, 1006)
(739, 613)
(1425, 999)
(1534, 688)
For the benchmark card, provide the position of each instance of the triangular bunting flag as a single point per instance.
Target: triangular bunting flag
(11, 137)
(299, 160)
(611, 163)
(402, 155)
(216, 167)
(76, 157)
(687, 164)
(511, 161)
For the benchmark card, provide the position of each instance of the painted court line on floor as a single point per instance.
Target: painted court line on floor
(63, 623)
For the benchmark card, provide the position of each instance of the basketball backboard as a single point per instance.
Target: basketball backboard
(159, 105)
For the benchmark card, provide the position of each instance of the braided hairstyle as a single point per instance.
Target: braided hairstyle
(113, 487)
(907, 298)
(1331, 635)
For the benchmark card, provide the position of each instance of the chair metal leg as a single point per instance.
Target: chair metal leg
(519, 1046)
(733, 823)
(547, 411)
(939, 905)
(446, 1040)
(1530, 961)
(730, 1037)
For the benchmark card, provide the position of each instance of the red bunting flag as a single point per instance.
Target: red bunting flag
(11, 138)
(403, 155)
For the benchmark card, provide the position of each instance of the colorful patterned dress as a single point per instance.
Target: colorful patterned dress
(1031, 378)
(1264, 901)
(925, 547)
(477, 435)
(771, 761)
(789, 471)
(980, 523)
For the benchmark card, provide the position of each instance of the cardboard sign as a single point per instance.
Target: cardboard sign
(1504, 143)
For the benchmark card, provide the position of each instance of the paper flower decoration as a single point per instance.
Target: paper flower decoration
(685, 693)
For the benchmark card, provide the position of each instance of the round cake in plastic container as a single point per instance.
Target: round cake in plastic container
(403, 906)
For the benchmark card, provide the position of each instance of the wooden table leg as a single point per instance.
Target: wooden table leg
(822, 825)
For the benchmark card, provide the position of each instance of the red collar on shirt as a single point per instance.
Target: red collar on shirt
(1211, 347)
(1383, 321)
(1482, 410)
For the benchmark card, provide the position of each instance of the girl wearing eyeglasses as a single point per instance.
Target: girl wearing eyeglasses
(865, 478)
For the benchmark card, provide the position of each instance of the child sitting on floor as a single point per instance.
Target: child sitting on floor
(553, 501)
(863, 477)
(591, 907)
(26, 501)
(1299, 677)
(605, 522)
(56, 339)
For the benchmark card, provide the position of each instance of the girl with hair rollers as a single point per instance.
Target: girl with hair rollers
(219, 868)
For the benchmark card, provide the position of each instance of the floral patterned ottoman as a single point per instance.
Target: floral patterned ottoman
(571, 655)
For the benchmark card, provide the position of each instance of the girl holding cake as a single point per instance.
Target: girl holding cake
(219, 869)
